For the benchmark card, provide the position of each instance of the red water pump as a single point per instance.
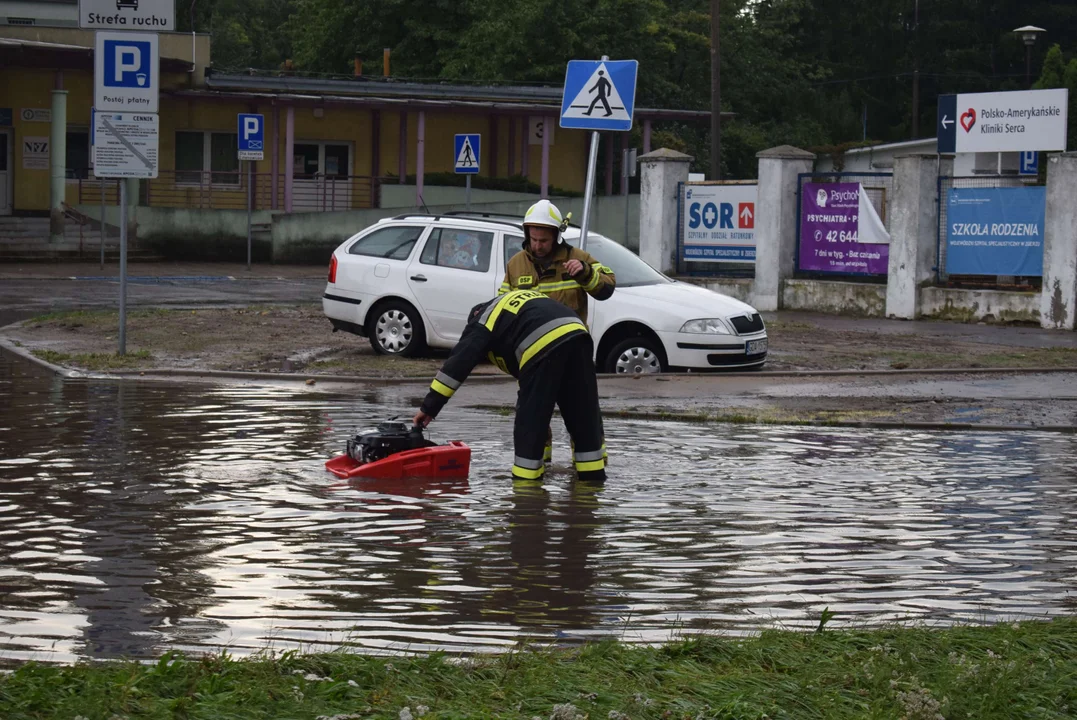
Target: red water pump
(392, 451)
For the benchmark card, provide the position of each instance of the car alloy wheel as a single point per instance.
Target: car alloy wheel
(637, 360)
(394, 331)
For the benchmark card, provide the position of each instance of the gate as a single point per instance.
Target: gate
(878, 187)
(995, 282)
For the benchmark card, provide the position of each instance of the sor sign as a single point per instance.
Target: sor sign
(719, 223)
(251, 137)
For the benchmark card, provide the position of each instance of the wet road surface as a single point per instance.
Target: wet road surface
(138, 517)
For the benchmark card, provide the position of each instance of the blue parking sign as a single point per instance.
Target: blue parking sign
(127, 64)
(251, 136)
(1030, 163)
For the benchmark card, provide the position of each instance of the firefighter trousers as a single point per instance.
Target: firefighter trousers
(565, 378)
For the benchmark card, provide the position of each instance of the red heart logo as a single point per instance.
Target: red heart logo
(968, 119)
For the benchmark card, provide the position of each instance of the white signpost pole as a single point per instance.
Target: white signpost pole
(250, 183)
(467, 192)
(102, 223)
(123, 268)
(625, 175)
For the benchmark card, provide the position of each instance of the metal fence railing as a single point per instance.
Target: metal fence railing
(998, 282)
(204, 190)
(878, 186)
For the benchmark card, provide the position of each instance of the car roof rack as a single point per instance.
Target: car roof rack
(461, 215)
(477, 214)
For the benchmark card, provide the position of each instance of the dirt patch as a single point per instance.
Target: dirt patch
(796, 345)
(262, 339)
(298, 338)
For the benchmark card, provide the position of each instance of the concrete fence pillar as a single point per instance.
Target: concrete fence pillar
(57, 162)
(913, 231)
(660, 173)
(776, 222)
(1058, 301)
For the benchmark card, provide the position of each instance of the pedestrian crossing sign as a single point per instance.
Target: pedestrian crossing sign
(466, 154)
(599, 94)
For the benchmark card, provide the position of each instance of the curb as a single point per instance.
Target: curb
(25, 354)
(410, 379)
(862, 424)
(297, 377)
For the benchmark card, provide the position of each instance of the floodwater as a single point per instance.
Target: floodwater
(137, 518)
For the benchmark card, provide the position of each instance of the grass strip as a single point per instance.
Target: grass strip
(95, 361)
(1008, 670)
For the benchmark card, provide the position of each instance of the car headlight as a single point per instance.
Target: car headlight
(705, 326)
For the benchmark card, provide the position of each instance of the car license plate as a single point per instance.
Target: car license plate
(755, 347)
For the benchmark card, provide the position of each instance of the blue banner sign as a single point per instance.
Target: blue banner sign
(995, 231)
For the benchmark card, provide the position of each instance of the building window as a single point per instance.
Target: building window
(200, 152)
(77, 159)
(189, 152)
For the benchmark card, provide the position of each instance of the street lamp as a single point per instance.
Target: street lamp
(1028, 34)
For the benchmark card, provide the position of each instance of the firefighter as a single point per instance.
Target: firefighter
(550, 265)
(547, 348)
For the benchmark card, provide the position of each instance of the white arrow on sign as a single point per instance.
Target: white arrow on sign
(745, 214)
(946, 121)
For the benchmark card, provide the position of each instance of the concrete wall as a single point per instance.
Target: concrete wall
(979, 305)
(183, 234)
(846, 298)
(403, 196)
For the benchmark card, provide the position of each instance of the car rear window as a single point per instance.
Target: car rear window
(458, 248)
(394, 242)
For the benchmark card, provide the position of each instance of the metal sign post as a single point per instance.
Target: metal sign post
(102, 223)
(628, 170)
(126, 99)
(250, 199)
(467, 192)
(123, 268)
(251, 148)
(598, 95)
(589, 186)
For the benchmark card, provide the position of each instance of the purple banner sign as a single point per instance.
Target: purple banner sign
(830, 231)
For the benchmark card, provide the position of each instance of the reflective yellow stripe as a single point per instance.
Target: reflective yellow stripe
(556, 286)
(596, 277)
(505, 287)
(589, 466)
(542, 342)
(512, 301)
(526, 473)
(441, 388)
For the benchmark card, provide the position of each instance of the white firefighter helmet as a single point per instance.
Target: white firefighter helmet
(545, 213)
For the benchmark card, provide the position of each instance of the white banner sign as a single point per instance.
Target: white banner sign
(719, 223)
(125, 145)
(1017, 121)
(144, 15)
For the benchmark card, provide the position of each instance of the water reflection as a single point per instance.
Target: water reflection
(139, 517)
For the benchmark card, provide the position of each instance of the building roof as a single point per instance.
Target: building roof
(392, 93)
(886, 147)
(15, 52)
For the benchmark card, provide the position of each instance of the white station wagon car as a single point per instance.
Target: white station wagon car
(408, 283)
